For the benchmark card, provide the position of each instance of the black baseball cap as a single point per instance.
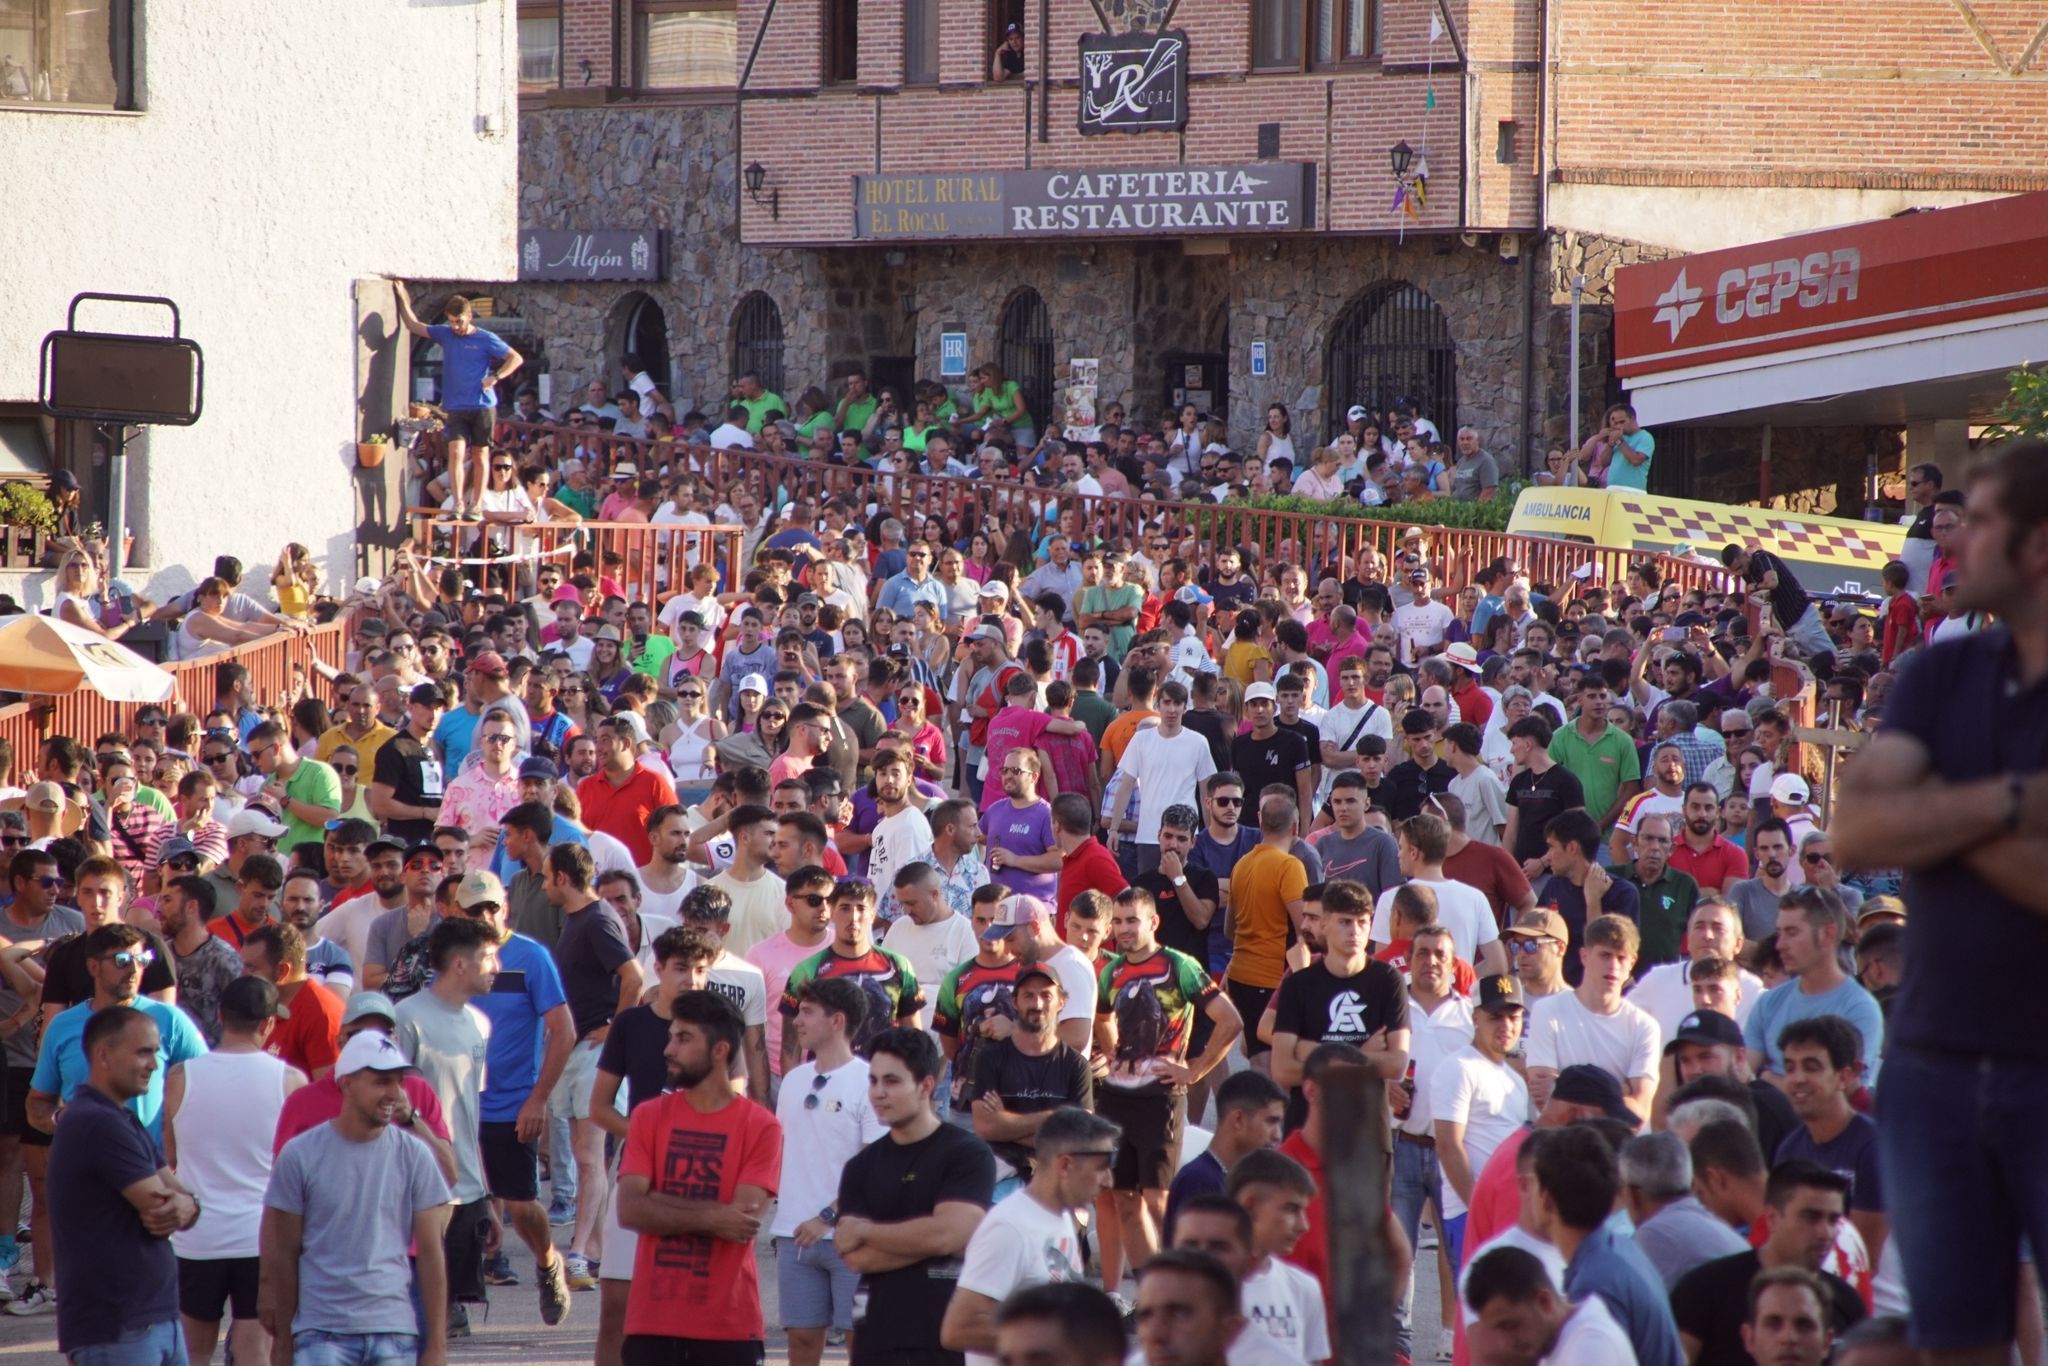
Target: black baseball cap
(1035, 970)
(1709, 1027)
(1584, 1084)
(1500, 992)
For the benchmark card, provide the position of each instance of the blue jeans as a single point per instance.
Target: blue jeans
(561, 1161)
(1964, 1143)
(316, 1348)
(1136, 860)
(1417, 1180)
(160, 1344)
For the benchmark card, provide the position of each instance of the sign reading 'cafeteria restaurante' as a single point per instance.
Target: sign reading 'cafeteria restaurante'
(1153, 201)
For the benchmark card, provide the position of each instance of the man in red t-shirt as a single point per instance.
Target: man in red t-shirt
(1701, 851)
(694, 1273)
(624, 792)
(1085, 865)
(308, 1029)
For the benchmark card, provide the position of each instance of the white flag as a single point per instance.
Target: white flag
(1436, 27)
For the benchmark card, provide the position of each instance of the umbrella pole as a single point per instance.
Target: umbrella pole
(118, 435)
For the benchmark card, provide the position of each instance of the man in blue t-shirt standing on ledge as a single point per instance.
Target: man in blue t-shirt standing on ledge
(473, 363)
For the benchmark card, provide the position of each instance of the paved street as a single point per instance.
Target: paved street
(513, 1333)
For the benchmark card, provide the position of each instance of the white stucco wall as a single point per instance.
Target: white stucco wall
(1708, 219)
(283, 151)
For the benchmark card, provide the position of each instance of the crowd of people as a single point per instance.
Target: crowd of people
(973, 940)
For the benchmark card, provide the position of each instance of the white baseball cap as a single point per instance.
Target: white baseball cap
(1261, 692)
(370, 1051)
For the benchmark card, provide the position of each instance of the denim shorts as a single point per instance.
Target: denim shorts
(315, 1347)
(814, 1286)
(1964, 1143)
(159, 1344)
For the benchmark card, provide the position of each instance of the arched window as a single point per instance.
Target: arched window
(1024, 351)
(757, 341)
(1392, 343)
(642, 332)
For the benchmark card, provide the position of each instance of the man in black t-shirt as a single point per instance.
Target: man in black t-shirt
(407, 785)
(1807, 1205)
(1188, 897)
(1270, 755)
(1346, 996)
(1540, 789)
(921, 1170)
(1020, 1080)
(1412, 782)
(1790, 606)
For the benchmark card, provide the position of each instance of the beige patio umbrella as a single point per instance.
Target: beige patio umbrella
(49, 655)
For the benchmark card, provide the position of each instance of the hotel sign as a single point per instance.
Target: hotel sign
(631, 254)
(1154, 201)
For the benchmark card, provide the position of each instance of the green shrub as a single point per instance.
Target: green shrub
(1490, 514)
(25, 505)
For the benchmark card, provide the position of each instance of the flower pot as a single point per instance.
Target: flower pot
(370, 454)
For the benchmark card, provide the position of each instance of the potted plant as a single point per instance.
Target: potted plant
(370, 454)
(27, 518)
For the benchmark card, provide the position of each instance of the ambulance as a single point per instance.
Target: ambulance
(1833, 556)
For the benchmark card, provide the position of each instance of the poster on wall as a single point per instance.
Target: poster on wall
(1079, 420)
(1134, 82)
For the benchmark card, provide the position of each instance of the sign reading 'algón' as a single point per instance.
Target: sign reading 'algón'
(607, 254)
(1134, 82)
(1166, 201)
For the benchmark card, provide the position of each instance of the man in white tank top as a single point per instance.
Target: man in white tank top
(218, 1133)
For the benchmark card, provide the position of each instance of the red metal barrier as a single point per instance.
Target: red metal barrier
(84, 715)
(1198, 529)
(647, 554)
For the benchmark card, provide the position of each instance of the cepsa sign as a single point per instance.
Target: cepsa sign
(1822, 288)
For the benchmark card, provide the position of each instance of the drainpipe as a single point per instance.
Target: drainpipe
(1578, 293)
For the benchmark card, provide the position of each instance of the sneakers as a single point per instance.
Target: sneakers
(562, 1212)
(579, 1274)
(1446, 1345)
(554, 1292)
(458, 1322)
(498, 1270)
(36, 1298)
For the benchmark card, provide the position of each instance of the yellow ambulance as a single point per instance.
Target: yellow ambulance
(1831, 555)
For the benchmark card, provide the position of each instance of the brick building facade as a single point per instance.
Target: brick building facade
(1561, 139)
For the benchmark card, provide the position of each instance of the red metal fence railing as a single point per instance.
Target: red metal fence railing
(1198, 529)
(84, 715)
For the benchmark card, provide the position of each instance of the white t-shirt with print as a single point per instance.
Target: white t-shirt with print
(1287, 1303)
(1019, 1243)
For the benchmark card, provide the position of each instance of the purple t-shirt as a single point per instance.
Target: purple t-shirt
(1027, 831)
(866, 817)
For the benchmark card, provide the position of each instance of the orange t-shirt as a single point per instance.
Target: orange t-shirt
(1261, 885)
(1116, 736)
(692, 1285)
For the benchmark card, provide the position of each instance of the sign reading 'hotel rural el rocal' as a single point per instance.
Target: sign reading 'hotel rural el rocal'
(1155, 201)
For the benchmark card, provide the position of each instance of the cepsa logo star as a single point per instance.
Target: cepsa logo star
(1678, 304)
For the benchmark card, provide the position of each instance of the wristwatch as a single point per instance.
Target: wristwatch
(1181, 881)
(829, 1216)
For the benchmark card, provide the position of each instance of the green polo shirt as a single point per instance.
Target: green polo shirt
(759, 408)
(858, 412)
(1601, 765)
(1094, 711)
(315, 784)
(1664, 907)
(585, 504)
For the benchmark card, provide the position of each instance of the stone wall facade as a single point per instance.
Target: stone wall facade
(1130, 305)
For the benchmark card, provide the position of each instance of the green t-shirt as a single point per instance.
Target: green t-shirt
(915, 438)
(315, 784)
(883, 975)
(1102, 598)
(584, 503)
(757, 408)
(1094, 711)
(1154, 1003)
(999, 402)
(1663, 908)
(652, 656)
(810, 425)
(859, 411)
(1601, 765)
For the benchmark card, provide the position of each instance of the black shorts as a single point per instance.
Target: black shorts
(1149, 1152)
(645, 1350)
(511, 1168)
(463, 1241)
(1251, 1003)
(14, 1110)
(471, 425)
(206, 1285)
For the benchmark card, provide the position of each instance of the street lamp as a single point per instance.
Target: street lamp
(756, 177)
(1399, 156)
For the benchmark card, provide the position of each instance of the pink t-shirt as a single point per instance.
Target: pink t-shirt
(777, 958)
(1011, 728)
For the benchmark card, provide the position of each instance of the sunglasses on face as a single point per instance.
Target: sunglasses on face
(1532, 945)
(47, 883)
(1816, 858)
(346, 770)
(1227, 801)
(135, 958)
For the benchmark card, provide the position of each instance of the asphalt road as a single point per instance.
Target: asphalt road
(513, 1333)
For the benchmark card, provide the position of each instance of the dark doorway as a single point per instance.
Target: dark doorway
(1024, 351)
(1391, 343)
(757, 341)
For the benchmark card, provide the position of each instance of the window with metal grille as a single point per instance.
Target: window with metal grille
(1024, 350)
(757, 340)
(1392, 343)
